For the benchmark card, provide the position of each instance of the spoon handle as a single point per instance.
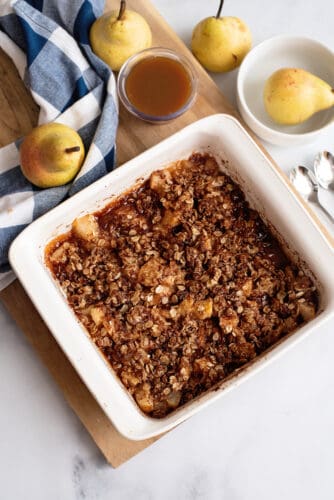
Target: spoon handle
(325, 211)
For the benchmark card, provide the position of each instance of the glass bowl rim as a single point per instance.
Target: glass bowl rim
(155, 52)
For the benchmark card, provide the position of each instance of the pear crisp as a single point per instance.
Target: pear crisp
(179, 283)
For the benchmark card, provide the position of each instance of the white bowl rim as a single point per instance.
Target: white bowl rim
(240, 86)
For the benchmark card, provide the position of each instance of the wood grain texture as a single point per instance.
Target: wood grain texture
(18, 115)
(19, 112)
(135, 135)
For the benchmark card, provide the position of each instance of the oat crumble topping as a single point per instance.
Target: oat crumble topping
(179, 282)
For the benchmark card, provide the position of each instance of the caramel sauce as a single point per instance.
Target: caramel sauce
(158, 86)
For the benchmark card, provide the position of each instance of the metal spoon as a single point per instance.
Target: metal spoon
(324, 169)
(306, 184)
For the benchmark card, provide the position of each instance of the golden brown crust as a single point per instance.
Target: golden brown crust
(181, 283)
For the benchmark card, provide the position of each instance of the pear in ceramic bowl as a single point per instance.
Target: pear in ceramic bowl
(293, 95)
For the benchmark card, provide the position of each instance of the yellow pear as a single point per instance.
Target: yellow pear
(292, 95)
(221, 43)
(117, 35)
(51, 155)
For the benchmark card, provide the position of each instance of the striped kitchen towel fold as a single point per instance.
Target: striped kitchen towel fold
(48, 40)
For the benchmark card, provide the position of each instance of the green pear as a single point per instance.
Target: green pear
(51, 155)
(221, 43)
(292, 95)
(117, 35)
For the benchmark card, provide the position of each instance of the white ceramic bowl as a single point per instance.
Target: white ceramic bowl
(267, 191)
(267, 57)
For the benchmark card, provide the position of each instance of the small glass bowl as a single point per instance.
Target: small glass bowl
(147, 53)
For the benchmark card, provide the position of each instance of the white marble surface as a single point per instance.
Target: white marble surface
(271, 439)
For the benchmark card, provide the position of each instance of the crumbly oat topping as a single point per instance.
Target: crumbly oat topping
(179, 282)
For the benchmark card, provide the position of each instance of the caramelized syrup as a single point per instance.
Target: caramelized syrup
(158, 86)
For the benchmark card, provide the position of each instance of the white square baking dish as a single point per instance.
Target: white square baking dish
(268, 192)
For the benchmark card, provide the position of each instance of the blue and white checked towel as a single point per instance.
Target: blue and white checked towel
(48, 41)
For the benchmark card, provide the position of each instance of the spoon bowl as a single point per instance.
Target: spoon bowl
(324, 169)
(306, 184)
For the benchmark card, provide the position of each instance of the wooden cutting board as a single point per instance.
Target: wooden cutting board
(18, 115)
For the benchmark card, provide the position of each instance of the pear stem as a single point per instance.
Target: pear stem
(220, 9)
(74, 149)
(121, 10)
